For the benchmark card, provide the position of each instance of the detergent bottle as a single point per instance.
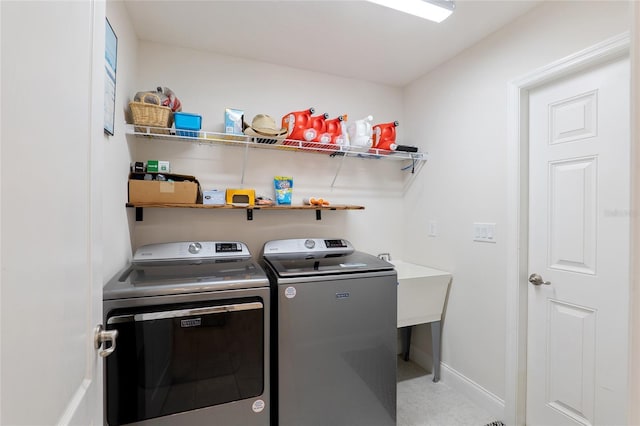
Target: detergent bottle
(316, 126)
(343, 138)
(333, 131)
(296, 123)
(360, 133)
(384, 136)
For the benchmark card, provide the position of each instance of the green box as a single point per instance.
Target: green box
(152, 166)
(158, 166)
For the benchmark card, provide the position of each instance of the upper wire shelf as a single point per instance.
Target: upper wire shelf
(214, 138)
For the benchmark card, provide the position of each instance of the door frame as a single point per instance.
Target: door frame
(518, 217)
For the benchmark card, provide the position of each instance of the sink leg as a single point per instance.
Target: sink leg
(435, 343)
(406, 342)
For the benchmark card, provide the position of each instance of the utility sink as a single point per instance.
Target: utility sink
(422, 292)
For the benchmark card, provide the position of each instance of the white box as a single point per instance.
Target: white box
(233, 121)
(213, 197)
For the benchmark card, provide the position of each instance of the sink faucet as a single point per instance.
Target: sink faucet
(385, 256)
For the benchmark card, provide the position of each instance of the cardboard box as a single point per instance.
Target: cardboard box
(183, 189)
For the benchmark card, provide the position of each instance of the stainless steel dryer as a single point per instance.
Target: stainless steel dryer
(193, 337)
(336, 334)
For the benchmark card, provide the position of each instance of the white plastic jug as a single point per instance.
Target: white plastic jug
(343, 139)
(360, 133)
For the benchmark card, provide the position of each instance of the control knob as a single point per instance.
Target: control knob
(309, 244)
(194, 248)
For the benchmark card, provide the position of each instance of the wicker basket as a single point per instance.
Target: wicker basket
(146, 114)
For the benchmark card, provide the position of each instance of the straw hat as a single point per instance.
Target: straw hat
(263, 125)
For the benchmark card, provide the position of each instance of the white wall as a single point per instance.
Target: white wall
(118, 221)
(207, 84)
(458, 112)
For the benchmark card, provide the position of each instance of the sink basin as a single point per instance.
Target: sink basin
(421, 293)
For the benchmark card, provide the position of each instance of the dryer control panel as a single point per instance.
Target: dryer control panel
(306, 247)
(192, 250)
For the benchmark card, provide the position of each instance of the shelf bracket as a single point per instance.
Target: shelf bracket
(244, 163)
(318, 214)
(249, 214)
(139, 217)
(338, 170)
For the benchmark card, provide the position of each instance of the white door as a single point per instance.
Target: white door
(51, 283)
(579, 246)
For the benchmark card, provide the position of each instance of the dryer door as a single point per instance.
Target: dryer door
(175, 358)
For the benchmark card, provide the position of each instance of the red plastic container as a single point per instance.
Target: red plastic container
(330, 137)
(334, 127)
(384, 136)
(296, 123)
(316, 126)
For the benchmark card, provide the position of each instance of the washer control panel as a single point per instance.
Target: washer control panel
(230, 247)
(192, 250)
(307, 246)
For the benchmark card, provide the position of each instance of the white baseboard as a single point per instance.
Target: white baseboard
(472, 390)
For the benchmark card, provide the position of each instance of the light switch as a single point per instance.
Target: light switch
(484, 232)
(433, 228)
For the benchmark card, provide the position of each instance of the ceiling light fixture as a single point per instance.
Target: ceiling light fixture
(433, 10)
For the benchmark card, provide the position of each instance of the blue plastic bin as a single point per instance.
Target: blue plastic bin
(185, 121)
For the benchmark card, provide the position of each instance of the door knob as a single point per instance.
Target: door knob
(102, 336)
(536, 279)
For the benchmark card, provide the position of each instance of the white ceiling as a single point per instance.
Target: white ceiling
(354, 39)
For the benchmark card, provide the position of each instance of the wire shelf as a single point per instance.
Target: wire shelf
(214, 138)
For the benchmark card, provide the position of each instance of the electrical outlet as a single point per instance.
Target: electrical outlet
(484, 232)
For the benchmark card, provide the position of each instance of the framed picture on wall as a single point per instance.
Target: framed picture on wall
(110, 65)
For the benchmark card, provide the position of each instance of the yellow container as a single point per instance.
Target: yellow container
(241, 196)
